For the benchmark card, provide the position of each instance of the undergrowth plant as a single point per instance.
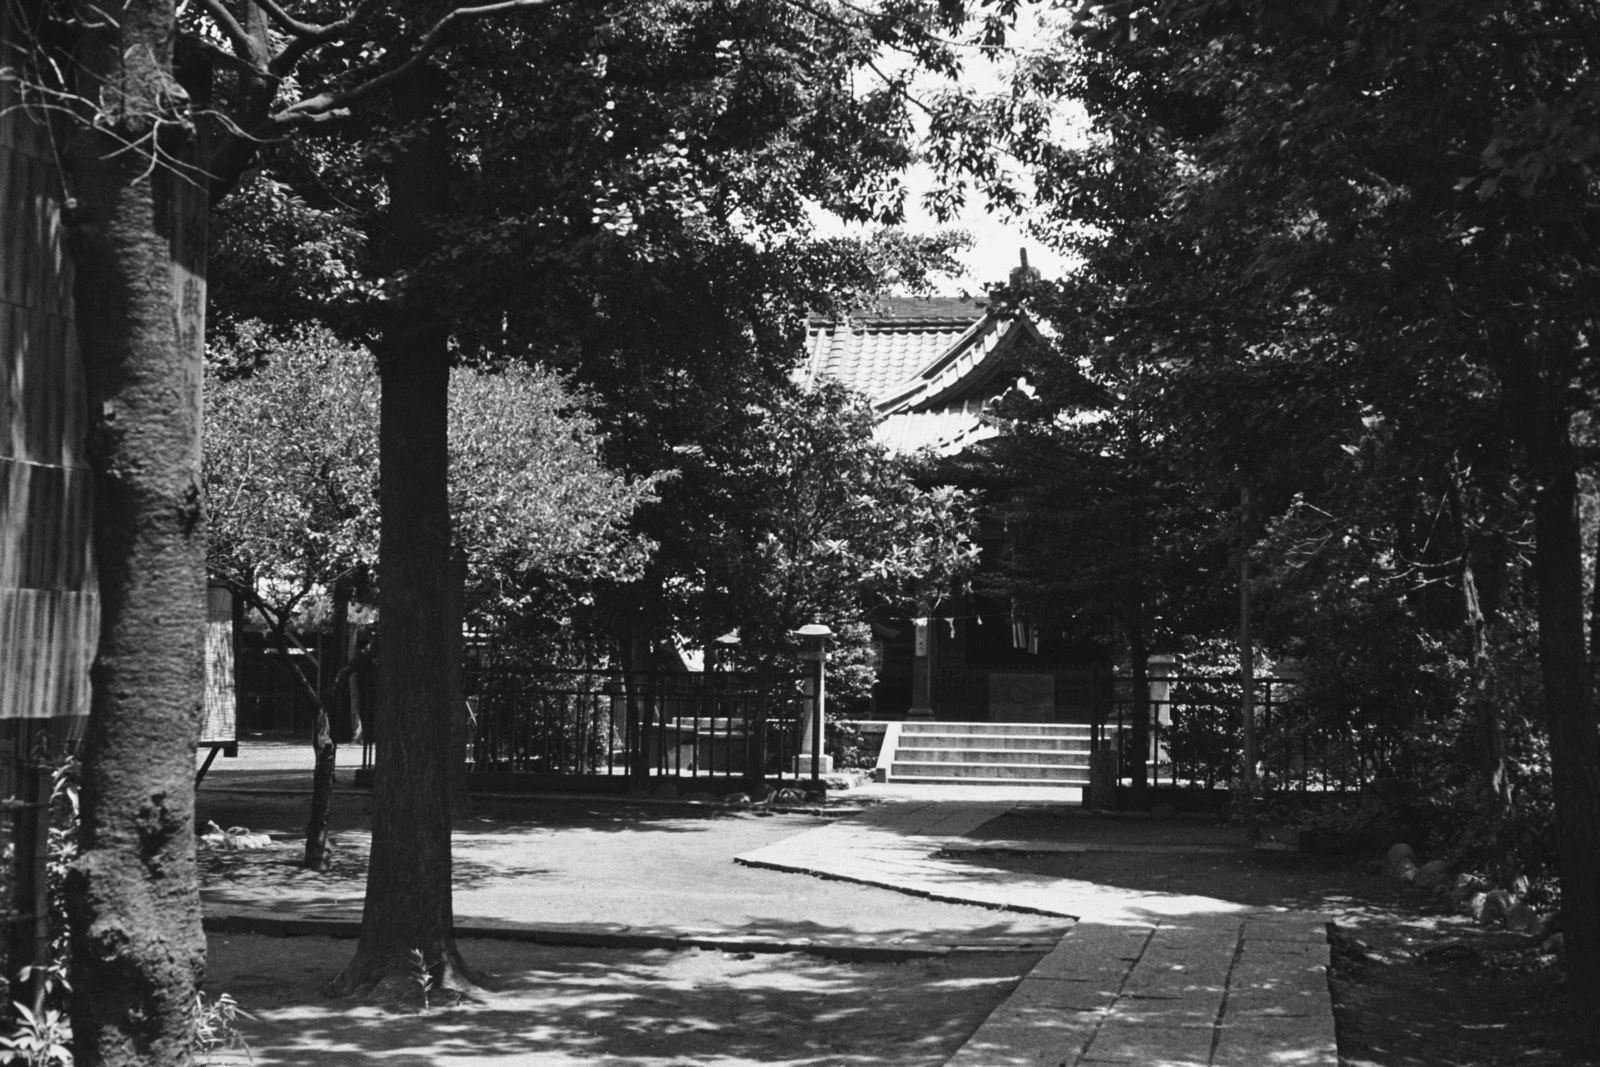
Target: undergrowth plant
(40, 1034)
(421, 975)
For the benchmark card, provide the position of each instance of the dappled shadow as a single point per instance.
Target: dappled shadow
(559, 1006)
(262, 877)
(1241, 876)
(1177, 856)
(659, 870)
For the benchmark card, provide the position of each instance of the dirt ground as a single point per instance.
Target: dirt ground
(1413, 986)
(603, 1007)
(578, 868)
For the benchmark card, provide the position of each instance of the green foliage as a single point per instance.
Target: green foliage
(216, 1025)
(421, 976)
(807, 517)
(40, 1035)
(38, 1039)
(290, 462)
(851, 747)
(1331, 253)
(291, 471)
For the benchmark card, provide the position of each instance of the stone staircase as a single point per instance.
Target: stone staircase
(986, 753)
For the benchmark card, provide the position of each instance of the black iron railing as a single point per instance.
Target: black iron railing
(574, 721)
(1196, 737)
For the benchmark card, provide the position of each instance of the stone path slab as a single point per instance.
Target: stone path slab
(1155, 979)
(896, 846)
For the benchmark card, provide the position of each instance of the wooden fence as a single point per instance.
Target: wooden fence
(49, 606)
(49, 609)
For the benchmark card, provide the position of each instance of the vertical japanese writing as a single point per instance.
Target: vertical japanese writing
(188, 243)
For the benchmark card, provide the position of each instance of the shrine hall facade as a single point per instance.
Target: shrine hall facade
(929, 367)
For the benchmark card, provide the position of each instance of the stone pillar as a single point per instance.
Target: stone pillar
(1160, 676)
(1103, 779)
(922, 670)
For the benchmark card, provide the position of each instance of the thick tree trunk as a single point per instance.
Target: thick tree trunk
(408, 902)
(1569, 707)
(137, 951)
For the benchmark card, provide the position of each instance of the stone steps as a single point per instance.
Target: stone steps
(1043, 757)
(1047, 754)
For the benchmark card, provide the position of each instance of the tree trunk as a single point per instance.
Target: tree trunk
(454, 622)
(332, 677)
(633, 651)
(1139, 652)
(137, 951)
(1486, 706)
(1569, 707)
(408, 904)
(1594, 607)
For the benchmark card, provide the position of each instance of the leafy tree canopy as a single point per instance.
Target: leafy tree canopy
(291, 471)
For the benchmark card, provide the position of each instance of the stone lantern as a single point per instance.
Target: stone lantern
(813, 722)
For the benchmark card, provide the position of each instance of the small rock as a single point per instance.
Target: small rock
(1520, 886)
(788, 795)
(1496, 906)
(736, 798)
(1432, 875)
(1473, 905)
(666, 791)
(1405, 870)
(234, 837)
(1522, 919)
(1467, 885)
(1398, 855)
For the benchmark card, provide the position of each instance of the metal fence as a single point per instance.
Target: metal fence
(588, 722)
(601, 722)
(1196, 736)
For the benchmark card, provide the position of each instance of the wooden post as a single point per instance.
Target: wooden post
(1247, 654)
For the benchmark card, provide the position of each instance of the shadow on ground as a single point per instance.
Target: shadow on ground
(555, 1006)
(1413, 984)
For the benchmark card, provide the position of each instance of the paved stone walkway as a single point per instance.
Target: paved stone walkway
(1155, 979)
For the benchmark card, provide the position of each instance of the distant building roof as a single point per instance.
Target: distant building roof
(928, 365)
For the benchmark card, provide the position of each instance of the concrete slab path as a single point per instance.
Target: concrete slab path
(1156, 979)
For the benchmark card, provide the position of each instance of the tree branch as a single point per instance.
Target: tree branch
(229, 59)
(289, 24)
(302, 42)
(243, 44)
(313, 107)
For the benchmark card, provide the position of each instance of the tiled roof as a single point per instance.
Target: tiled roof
(910, 308)
(927, 365)
(945, 430)
(874, 357)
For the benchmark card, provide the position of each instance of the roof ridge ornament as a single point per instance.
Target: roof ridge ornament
(1024, 275)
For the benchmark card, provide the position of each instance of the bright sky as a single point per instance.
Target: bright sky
(997, 243)
(997, 240)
